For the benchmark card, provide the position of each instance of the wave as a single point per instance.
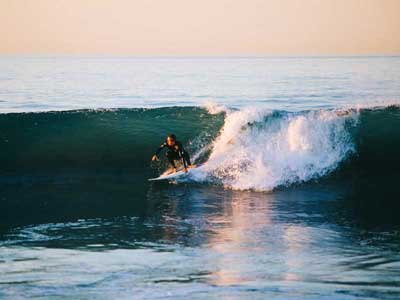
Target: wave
(250, 148)
(96, 139)
(261, 149)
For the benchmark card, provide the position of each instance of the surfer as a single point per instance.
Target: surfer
(175, 152)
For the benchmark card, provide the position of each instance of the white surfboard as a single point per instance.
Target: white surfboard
(171, 176)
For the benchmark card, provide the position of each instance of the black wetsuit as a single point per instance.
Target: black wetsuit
(175, 152)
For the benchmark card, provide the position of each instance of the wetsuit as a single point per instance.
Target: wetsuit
(175, 152)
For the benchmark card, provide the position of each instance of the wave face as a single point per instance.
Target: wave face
(249, 148)
(95, 140)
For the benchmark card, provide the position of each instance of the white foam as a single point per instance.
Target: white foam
(214, 108)
(259, 150)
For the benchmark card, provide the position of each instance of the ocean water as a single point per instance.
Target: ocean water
(296, 196)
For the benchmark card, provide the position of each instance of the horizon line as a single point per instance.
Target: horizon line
(183, 56)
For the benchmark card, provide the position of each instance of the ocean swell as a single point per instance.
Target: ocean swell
(250, 148)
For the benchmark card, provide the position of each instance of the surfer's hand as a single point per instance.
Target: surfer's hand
(154, 158)
(186, 170)
(174, 170)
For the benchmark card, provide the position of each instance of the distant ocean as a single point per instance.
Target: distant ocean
(297, 197)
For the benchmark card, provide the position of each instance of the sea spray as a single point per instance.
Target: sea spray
(260, 149)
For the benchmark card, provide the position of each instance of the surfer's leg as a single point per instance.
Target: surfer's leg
(186, 157)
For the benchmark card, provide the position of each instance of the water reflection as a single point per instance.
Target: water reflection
(235, 240)
(207, 239)
(296, 238)
(245, 236)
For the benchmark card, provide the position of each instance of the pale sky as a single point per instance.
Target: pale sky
(201, 27)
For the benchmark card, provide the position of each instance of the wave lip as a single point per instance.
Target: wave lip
(260, 149)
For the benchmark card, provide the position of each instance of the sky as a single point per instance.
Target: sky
(200, 28)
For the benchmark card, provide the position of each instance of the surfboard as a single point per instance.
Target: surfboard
(171, 176)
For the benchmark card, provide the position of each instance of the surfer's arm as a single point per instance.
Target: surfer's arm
(162, 146)
(182, 156)
(184, 163)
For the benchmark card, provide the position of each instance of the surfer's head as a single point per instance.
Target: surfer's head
(171, 139)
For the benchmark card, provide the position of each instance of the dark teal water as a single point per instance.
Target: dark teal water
(79, 220)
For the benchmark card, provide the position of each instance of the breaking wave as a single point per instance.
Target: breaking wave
(250, 148)
(261, 149)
